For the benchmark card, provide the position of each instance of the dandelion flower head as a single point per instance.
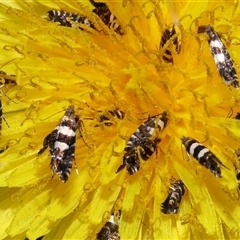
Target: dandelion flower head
(96, 69)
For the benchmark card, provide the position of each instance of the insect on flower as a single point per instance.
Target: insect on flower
(106, 117)
(61, 142)
(170, 35)
(109, 230)
(173, 200)
(114, 113)
(143, 143)
(3, 149)
(237, 169)
(103, 12)
(231, 113)
(6, 79)
(221, 56)
(1, 117)
(39, 238)
(237, 116)
(203, 155)
(63, 18)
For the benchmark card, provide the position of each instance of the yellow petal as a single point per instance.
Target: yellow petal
(27, 213)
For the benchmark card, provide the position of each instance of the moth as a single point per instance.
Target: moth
(221, 56)
(173, 200)
(203, 155)
(63, 17)
(115, 113)
(168, 35)
(61, 142)
(105, 118)
(110, 230)
(104, 13)
(6, 79)
(142, 144)
(237, 116)
(237, 152)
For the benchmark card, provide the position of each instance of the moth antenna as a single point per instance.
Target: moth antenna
(5, 121)
(52, 115)
(204, 140)
(188, 155)
(8, 62)
(230, 113)
(88, 118)
(90, 107)
(75, 164)
(82, 127)
(6, 94)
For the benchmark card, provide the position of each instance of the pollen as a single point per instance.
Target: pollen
(119, 120)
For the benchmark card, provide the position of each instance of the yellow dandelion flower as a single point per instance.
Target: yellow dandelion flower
(124, 66)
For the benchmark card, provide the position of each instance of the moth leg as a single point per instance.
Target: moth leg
(81, 128)
(48, 141)
(52, 175)
(120, 168)
(4, 149)
(76, 168)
